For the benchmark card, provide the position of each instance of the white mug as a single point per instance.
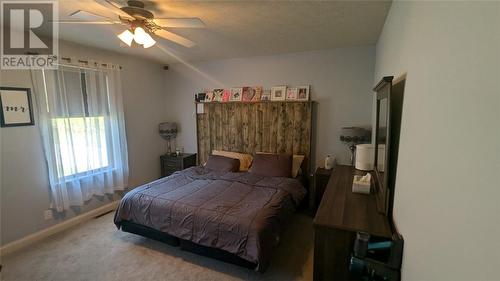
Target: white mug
(329, 162)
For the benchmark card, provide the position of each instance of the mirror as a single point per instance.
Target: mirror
(382, 136)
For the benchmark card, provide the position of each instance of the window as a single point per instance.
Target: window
(82, 126)
(82, 140)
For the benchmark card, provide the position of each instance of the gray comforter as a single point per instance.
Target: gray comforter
(241, 213)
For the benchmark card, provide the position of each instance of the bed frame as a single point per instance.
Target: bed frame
(186, 245)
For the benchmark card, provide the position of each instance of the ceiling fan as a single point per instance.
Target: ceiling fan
(141, 22)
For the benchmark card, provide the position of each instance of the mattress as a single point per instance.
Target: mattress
(241, 213)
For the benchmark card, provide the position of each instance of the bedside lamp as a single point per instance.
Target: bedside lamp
(352, 136)
(168, 131)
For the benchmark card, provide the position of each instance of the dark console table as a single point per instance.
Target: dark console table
(321, 178)
(341, 214)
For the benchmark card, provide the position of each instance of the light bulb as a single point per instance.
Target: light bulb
(126, 37)
(148, 41)
(139, 35)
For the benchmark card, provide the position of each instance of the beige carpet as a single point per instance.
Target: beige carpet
(96, 250)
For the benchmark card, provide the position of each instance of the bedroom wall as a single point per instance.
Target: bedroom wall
(447, 190)
(24, 188)
(340, 79)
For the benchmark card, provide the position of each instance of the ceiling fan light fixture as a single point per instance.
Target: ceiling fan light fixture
(148, 41)
(140, 36)
(126, 37)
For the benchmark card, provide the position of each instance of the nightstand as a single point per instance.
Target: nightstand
(173, 163)
(321, 178)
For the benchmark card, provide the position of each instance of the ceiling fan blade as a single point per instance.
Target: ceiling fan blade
(86, 22)
(87, 16)
(174, 38)
(180, 22)
(114, 8)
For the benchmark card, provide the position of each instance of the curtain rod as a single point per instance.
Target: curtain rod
(69, 60)
(78, 67)
(86, 62)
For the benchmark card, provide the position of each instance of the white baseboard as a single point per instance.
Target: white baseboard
(42, 234)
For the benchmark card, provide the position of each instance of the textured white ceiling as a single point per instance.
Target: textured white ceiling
(241, 28)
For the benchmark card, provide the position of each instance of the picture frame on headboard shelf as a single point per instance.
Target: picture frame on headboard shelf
(226, 95)
(17, 108)
(218, 93)
(258, 93)
(291, 94)
(209, 97)
(266, 95)
(200, 97)
(278, 93)
(247, 94)
(303, 93)
(236, 94)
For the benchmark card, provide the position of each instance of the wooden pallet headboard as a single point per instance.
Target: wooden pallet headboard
(276, 127)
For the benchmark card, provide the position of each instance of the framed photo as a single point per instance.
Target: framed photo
(209, 97)
(258, 93)
(278, 93)
(266, 95)
(291, 93)
(236, 94)
(200, 97)
(218, 93)
(303, 93)
(248, 94)
(226, 95)
(16, 107)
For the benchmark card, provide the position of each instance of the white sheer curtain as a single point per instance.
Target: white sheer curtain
(82, 126)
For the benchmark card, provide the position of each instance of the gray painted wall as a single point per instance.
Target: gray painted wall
(340, 79)
(447, 188)
(24, 189)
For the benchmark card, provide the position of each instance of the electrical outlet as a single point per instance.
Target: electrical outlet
(47, 214)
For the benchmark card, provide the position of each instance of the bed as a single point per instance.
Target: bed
(233, 216)
(236, 217)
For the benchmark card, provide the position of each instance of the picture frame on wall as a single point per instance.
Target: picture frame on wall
(278, 93)
(303, 93)
(17, 108)
(236, 94)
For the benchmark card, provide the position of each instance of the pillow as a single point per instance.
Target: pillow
(272, 165)
(222, 164)
(245, 159)
(296, 163)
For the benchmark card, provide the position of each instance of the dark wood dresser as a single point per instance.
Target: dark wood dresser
(173, 163)
(321, 178)
(341, 214)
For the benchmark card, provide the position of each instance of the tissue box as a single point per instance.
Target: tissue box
(360, 186)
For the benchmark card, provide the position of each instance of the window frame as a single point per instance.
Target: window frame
(91, 172)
